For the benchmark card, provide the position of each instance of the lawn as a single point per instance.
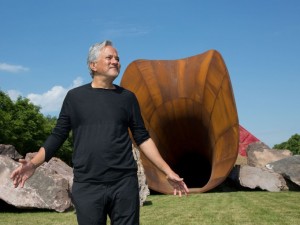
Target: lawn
(232, 208)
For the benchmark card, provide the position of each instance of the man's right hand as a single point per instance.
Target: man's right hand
(22, 173)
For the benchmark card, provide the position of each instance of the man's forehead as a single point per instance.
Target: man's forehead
(109, 50)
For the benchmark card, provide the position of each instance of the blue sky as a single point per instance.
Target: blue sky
(44, 44)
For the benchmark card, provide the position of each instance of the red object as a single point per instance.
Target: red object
(246, 138)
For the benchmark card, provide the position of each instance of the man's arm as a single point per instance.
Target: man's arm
(27, 168)
(150, 150)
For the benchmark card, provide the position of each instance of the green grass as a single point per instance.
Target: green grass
(232, 208)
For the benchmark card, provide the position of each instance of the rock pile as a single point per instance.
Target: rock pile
(268, 169)
(144, 190)
(50, 186)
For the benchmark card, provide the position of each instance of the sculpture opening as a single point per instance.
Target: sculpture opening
(189, 110)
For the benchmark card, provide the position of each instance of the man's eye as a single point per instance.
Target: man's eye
(110, 58)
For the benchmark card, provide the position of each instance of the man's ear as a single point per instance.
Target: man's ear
(93, 66)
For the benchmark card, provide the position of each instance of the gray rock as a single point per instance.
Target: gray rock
(254, 177)
(50, 187)
(259, 154)
(43, 190)
(143, 187)
(56, 166)
(288, 167)
(10, 151)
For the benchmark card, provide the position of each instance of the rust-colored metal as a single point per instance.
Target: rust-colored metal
(189, 109)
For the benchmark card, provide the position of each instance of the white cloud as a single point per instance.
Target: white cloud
(14, 94)
(12, 68)
(51, 101)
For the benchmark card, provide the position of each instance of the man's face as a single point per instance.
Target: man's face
(108, 63)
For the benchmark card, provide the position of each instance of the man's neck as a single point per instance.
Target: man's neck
(99, 83)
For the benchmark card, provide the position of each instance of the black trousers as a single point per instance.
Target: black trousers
(119, 200)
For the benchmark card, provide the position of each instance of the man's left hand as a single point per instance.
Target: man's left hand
(178, 184)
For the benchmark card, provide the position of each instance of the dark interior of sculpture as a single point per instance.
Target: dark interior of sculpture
(189, 109)
(186, 147)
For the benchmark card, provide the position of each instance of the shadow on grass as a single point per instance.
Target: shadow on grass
(5, 207)
(147, 203)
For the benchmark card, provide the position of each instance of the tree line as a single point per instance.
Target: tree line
(25, 127)
(292, 144)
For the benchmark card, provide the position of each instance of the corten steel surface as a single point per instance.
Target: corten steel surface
(189, 109)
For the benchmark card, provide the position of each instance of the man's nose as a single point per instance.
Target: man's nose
(114, 61)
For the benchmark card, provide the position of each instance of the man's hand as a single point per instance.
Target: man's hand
(150, 150)
(178, 184)
(22, 173)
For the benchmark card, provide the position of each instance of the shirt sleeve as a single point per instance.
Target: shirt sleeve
(137, 127)
(60, 132)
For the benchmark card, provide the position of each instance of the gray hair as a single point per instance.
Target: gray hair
(95, 51)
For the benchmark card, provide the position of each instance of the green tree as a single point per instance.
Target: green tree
(6, 106)
(23, 126)
(292, 144)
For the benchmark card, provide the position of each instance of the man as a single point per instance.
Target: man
(105, 173)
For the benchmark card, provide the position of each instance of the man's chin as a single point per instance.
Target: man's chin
(114, 76)
(114, 73)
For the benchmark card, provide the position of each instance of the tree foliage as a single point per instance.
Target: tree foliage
(23, 126)
(292, 144)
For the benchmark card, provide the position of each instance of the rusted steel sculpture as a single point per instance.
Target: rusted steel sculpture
(189, 109)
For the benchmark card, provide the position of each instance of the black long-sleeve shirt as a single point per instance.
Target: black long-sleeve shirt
(99, 119)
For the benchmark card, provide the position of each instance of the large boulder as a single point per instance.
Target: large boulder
(259, 154)
(258, 178)
(288, 167)
(45, 189)
(50, 186)
(56, 166)
(10, 151)
(143, 187)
